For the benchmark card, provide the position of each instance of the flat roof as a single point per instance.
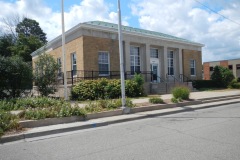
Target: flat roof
(223, 60)
(140, 31)
(111, 26)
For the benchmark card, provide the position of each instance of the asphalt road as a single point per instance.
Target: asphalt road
(208, 134)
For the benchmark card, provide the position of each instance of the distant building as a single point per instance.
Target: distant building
(233, 65)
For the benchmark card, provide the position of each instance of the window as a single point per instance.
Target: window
(74, 63)
(211, 68)
(135, 60)
(230, 67)
(154, 53)
(238, 66)
(103, 63)
(193, 67)
(59, 62)
(170, 63)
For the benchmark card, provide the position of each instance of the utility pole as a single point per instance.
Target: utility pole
(124, 107)
(64, 54)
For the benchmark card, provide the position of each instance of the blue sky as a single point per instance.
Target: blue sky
(183, 18)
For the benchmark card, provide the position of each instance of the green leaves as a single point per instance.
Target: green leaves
(16, 76)
(181, 93)
(45, 75)
(29, 27)
(222, 76)
(7, 122)
(156, 100)
(106, 89)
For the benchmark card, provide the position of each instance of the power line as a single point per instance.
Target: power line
(218, 13)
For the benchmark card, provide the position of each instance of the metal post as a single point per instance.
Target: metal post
(64, 54)
(124, 107)
(72, 76)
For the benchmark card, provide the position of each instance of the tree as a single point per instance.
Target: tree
(6, 42)
(45, 75)
(16, 77)
(29, 27)
(222, 76)
(25, 46)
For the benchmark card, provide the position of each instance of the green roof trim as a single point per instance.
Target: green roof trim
(137, 30)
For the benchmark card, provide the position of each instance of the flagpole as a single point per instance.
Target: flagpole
(124, 107)
(64, 55)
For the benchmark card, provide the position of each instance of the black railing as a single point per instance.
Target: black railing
(77, 75)
(184, 78)
(173, 77)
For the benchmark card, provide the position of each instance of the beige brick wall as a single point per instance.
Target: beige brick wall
(75, 46)
(188, 55)
(91, 47)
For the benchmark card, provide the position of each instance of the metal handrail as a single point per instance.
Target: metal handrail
(175, 79)
(182, 76)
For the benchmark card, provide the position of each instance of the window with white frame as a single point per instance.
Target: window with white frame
(135, 59)
(59, 62)
(192, 67)
(74, 63)
(170, 63)
(154, 53)
(103, 63)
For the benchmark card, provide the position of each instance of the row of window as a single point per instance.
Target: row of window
(104, 65)
(230, 67)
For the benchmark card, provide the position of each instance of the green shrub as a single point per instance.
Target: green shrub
(42, 107)
(174, 100)
(222, 76)
(234, 84)
(106, 89)
(45, 74)
(204, 84)
(181, 92)
(16, 77)
(103, 105)
(37, 102)
(53, 112)
(156, 100)
(7, 122)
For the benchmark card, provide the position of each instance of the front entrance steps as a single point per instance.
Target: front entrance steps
(166, 87)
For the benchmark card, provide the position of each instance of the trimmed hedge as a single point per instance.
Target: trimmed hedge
(205, 84)
(106, 89)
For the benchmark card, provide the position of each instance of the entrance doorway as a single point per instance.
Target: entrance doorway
(154, 68)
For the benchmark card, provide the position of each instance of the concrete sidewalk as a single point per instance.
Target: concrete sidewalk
(195, 95)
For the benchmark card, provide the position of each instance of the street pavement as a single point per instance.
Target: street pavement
(207, 134)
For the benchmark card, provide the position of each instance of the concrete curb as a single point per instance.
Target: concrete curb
(180, 109)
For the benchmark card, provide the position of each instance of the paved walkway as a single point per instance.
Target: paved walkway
(196, 95)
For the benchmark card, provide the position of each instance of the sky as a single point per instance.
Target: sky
(214, 23)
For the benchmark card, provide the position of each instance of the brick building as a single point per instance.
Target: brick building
(92, 51)
(233, 65)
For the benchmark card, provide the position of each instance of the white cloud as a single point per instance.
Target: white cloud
(50, 21)
(190, 20)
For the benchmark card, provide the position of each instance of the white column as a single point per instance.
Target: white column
(127, 56)
(180, 61)
(147, 58)
(165, 61)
